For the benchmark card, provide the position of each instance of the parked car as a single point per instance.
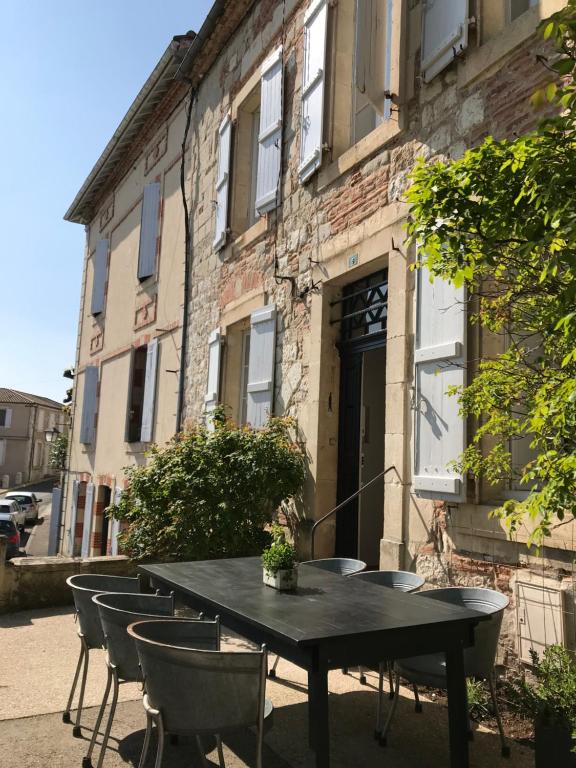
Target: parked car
(11, 507)
(28, 502)
(9, 528)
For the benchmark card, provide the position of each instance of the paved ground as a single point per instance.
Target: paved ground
(43, 648)
(34, 540)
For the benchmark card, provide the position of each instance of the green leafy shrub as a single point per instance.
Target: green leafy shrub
(477, 698)
(210, 494)
(280, 555)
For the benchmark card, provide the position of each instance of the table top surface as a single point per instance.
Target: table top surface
(325, 605)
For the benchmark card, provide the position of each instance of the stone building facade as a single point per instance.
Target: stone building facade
(307, 117)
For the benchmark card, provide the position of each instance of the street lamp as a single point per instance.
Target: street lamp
(51, 434)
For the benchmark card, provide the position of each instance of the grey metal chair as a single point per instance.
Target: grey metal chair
(116, 612)
(344, 566)
(430, 670)
(84, 586)
(404, 581)
(198, 691)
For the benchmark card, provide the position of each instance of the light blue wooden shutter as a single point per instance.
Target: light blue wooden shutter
(115, 526)
(87, 426)
(149, 230)
(87, 530)
(313, 76)
(73, 515)
(270, 134)
(444, 34)
(147, 427)
(222, 182)
(55, 517)
(440, 360)
(260, 389)
(100, 271)
(373, 52)
(213, 384)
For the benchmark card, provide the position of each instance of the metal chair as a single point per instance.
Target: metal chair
(404, 581)
(344, 566)
(199, 691)
(116, 612)
(84, 586)
(430, 670)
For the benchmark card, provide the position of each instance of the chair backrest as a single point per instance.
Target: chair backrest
(84, 586)
(116, 612)
(345, 566)
(405, 581)
(199, 689)
(478, 660)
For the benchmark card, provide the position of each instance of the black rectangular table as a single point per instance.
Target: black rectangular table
(330, 622)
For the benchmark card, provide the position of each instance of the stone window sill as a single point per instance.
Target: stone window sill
(361, 151)
(251, 235)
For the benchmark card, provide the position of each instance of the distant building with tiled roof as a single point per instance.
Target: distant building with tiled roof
(15, 396)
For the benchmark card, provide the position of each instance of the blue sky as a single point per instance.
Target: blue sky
(69, 70)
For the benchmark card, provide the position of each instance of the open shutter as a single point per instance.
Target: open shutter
(213, 385)
(73, 515)
(100, 262)
(87, 530)
(444, 34)
(2, 452)
(270, 134)
(260, 389)
(222, 182)
(372, 54)
(115, 526)
(147, 427)
(312, 111)
(87, 427)
(149, 230)
(440, 359)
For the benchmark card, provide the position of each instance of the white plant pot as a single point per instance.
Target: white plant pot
(282, 580)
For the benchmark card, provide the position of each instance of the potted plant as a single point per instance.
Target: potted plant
(279, 562)
(550, 700)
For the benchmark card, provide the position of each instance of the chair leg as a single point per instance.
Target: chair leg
(146, 744)
(362, 677)
(379, 710)
(76, 731)
(202, 751)
(391, 679)
(160, 752)
(391, 711)
(66, 714)
(272, 672)
(110, 716)
(505, 747)
(220, 751)
(417, 703)
(87, 759)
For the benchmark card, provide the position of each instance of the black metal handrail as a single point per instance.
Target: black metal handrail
(343, 504)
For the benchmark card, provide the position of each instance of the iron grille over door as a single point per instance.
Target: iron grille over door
(364, 307)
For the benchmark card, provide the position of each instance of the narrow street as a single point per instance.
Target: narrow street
(35, 538)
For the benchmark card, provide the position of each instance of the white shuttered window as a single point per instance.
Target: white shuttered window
(440, 359)
(313, 76)
(213, 385)
(223, 182)
(73, 514)
(270, 134)
(373, 52)
(260, 389)
(87, 530)
(100, 271)
(147, 429)
(444, 34)
(149, 231)
(89, 401)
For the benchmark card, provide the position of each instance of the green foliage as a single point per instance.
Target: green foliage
(477, 698)
(502, 221)
(58, 451)
(280, 555)
(210, 494)
(551, 697)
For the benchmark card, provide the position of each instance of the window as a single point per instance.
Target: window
(371, 67)
(243, 210)
(142, 393)
(245, 362)
(5, 417)
(2, 452)
(518, 7)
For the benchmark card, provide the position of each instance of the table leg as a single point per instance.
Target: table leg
(318, 724)
(457, 708)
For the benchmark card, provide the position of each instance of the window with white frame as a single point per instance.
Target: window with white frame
(5, 417)
(245, 172)
(142, 393)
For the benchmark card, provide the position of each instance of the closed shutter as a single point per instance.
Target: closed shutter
(73, 515)
(260, 389)
(147, 428)
(444, 34)
(270, 134)
(440, 359)
(100, 262)
(312, 110)
(222, 182)
(2, 452)
(213, 385)
(373, 52)
(87, 530)
(149, 231)
(115, 526)
(87, 426)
